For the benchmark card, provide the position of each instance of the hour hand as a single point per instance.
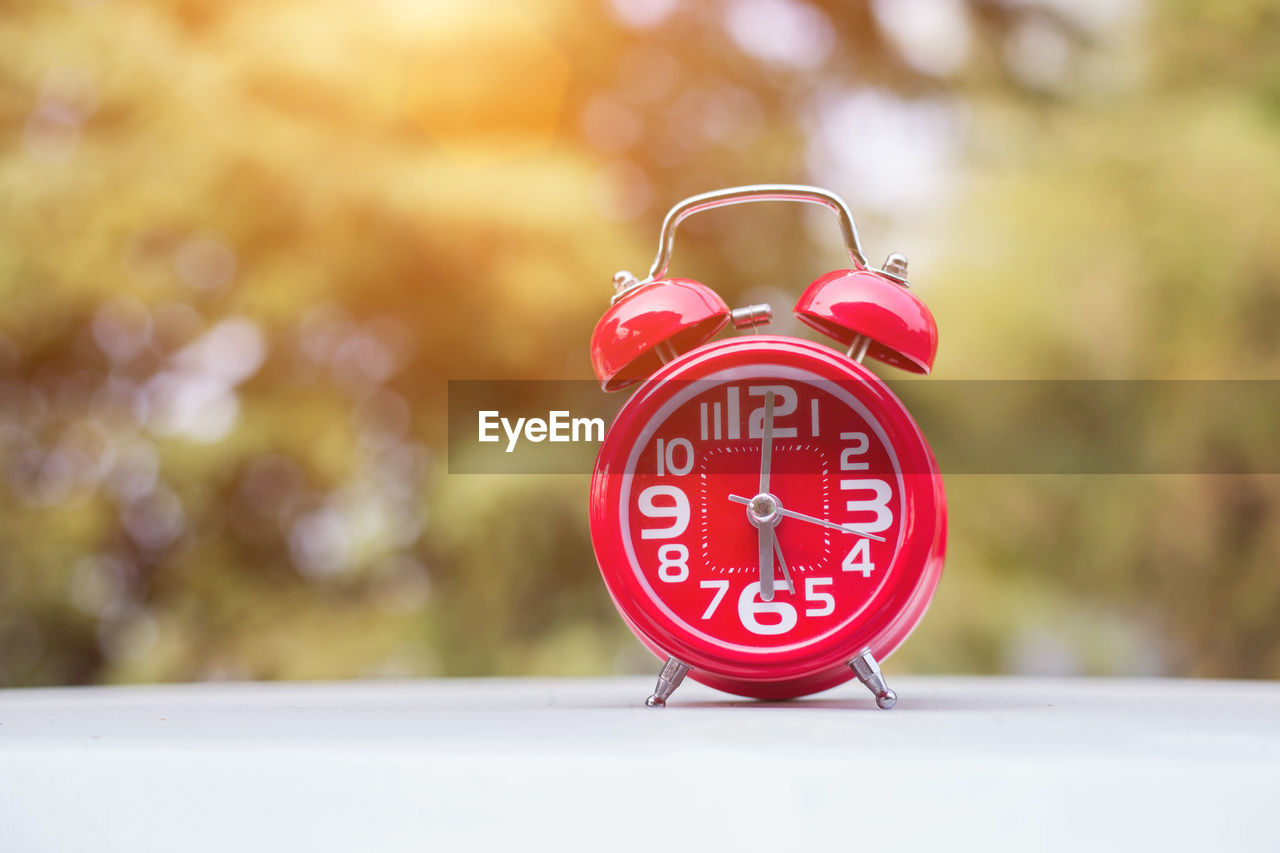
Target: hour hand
(766, 561)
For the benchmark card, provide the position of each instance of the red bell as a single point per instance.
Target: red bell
(874, 314)
(652, 323)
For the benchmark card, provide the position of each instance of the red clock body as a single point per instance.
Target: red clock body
(862, 545)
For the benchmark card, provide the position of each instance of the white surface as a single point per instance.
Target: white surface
(480, 765)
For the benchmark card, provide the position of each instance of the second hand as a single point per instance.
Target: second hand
(799, 516)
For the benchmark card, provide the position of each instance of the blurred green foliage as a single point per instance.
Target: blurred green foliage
(243, 246)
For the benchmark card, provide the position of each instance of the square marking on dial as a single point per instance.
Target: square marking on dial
(802, 462)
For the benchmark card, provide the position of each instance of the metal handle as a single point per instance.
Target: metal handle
(746, 195)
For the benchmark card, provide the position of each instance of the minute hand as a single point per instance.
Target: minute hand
(766, 532)
(766, 444)
(799, 516)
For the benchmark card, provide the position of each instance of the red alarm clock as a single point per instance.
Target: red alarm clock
(767, 516)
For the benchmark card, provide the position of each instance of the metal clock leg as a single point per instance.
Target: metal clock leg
(673, 672)
(868, 672)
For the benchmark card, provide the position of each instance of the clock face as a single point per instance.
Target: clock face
(834, 501)
(853, 500)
